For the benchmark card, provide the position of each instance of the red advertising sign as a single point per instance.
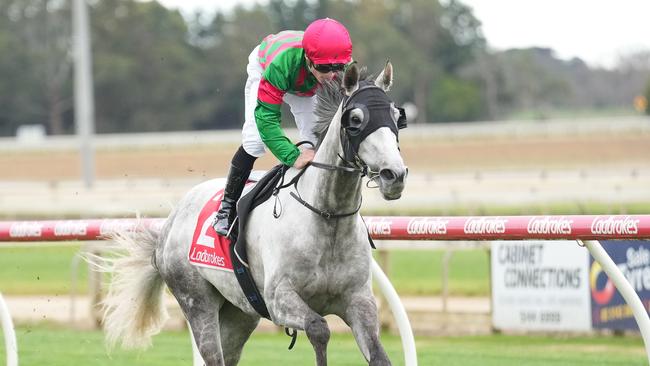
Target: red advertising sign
(586, 227)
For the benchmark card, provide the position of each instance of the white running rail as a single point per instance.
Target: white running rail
(399, 313)
(11, 345)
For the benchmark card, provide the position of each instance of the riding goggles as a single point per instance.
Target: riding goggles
(325, 68)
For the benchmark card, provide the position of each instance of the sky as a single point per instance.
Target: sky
(597, 31)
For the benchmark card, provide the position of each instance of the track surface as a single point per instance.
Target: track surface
(423, 155)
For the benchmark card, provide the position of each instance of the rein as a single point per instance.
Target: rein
(358, 167)
(324, 214)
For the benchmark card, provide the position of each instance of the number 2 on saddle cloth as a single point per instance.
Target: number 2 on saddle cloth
(208, 248)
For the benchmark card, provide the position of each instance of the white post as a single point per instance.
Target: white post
(402, 320)
(624, 287)
(84, 105)
(196, 356)
(9, 334)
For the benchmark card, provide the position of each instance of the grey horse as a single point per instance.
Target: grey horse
(305, 264)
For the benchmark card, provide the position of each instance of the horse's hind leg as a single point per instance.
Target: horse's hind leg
(236, 327)
(200, 304)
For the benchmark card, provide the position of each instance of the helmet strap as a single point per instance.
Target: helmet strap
(310, 63)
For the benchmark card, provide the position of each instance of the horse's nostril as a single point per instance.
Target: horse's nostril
(387, 174)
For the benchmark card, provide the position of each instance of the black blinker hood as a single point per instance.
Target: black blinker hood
(377, 113)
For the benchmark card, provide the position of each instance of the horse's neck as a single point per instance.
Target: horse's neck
(335, 191)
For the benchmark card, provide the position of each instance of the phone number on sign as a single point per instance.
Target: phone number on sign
(540, 317)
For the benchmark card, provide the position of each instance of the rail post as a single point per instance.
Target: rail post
(11, 345)
(624, 287)
(401, 318)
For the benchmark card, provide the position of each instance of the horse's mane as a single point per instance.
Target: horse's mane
(329, 96)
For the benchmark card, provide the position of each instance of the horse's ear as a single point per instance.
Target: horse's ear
(385, 79)
(351, 79)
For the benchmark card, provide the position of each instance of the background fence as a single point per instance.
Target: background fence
(588, 228)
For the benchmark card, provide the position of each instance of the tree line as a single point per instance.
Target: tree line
(155, 70)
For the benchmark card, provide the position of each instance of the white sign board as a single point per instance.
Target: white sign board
(540, 285)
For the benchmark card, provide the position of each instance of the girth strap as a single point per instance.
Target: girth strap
(247, 284)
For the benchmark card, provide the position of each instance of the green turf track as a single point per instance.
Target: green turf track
(419, 272)
(61, 347)
(47, 270)
(33, 270)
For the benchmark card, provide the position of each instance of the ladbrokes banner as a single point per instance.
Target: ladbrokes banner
(609, 309)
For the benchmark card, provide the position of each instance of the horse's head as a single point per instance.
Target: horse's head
(370, 124)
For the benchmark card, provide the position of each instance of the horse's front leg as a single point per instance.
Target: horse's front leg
(361, 315)
(288, 309)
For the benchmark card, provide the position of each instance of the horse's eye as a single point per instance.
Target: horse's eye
(355, 122)
(356, 116)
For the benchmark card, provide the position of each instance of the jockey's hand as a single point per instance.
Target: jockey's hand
(306, 156)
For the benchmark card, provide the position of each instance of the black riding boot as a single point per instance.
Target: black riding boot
(240, 169)
(234, 187)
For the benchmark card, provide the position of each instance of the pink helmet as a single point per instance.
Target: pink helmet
(326, 41)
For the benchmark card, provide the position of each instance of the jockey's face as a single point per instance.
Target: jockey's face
(326, 73)
(323, 77)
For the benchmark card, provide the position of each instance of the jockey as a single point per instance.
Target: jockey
(285, 67)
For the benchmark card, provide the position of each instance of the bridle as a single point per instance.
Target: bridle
(372, 100)
(363, 171)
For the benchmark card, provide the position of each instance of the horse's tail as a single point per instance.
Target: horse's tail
(134, 308)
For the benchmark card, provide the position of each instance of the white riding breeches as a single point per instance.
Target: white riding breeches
(302, 109)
